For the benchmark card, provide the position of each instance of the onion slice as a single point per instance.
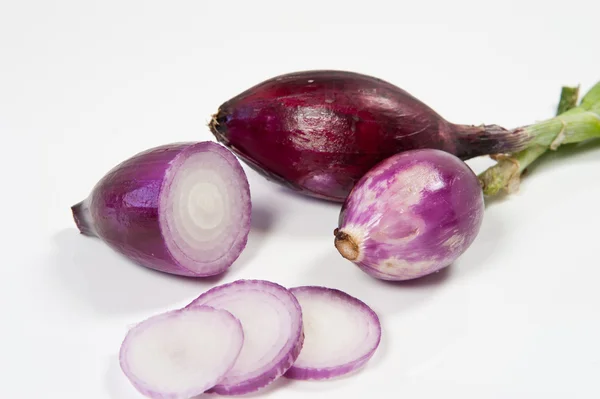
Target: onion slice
(182, 353)
(342, 334)
(272, 321)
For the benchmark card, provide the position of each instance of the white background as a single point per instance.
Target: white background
(86, 84)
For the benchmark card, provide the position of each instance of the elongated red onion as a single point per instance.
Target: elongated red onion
(341, 334)
(271, 318)
(318, 132)
(182, 353)
(181, 208)
(411, 215)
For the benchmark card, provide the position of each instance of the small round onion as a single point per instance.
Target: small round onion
(411, 215)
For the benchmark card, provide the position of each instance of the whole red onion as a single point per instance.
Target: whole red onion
(318, 132)
(411, 215)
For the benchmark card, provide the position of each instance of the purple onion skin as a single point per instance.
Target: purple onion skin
(123, 208)
(411, 215)
(318, 132)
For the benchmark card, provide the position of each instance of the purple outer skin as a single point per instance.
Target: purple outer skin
(318, 132)
(149, 392)
(287, 358)
(427, 211)
(124, 210)
(309, 373)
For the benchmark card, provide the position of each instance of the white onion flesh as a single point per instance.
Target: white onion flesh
(182, 353)
(341, 333)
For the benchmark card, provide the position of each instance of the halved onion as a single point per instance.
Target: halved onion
(181, 208)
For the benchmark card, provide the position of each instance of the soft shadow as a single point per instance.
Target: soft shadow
(90, 272)
(259, 183)
(486, 245)
(117, 385)
(565, 153)
(262, 222)
(387, 297)
(291, 213)
(383, 350)
(297, 195)
(547, 162)
(308, 220)
(384, 297)
(263, 217)
(275, 388)
(272, 389)
(433, 279)
(497, 199)
(325, 385)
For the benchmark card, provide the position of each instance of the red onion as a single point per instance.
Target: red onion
(318, 132)
(341, 334)
(239, 337)
(180, 208)
(181, 353)
(272, 321)
(411, 215)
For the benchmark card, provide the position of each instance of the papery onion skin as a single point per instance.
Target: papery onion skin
(411, 215)
(318, 132)
(124, 209)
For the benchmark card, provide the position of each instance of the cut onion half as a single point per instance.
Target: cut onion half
(272, 321)
(341, 334)
(180, 208)
(181, 353)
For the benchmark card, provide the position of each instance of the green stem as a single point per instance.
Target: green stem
(575, 125)
(572, 125)
(568, 99)
(506, 174)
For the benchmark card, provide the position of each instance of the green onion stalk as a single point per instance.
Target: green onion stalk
(572, 124)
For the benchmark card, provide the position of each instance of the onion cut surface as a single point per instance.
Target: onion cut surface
(341, 334)
(206, 203)
(181, 208)
(271, 318)
(181, 353)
